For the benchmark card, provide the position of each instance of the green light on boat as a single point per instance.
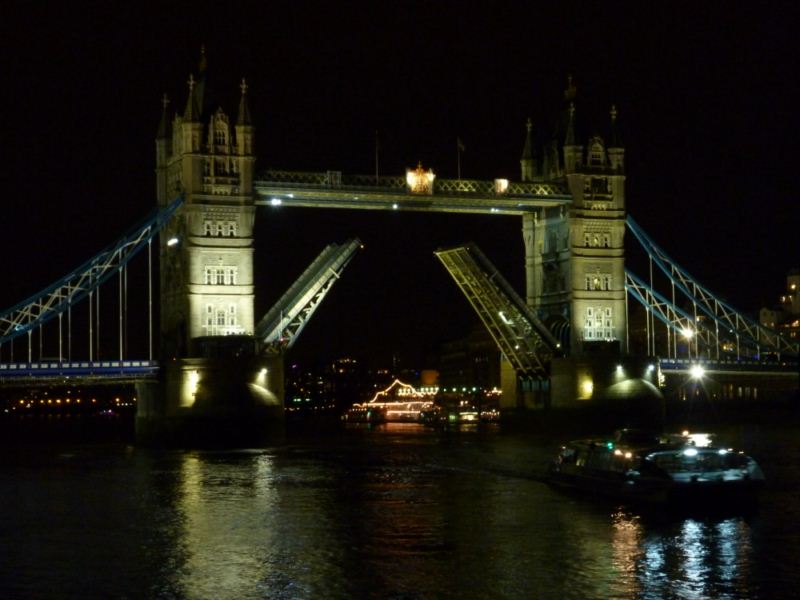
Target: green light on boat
(610, 445)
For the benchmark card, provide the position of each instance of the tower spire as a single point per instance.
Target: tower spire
(191, 113)
(569, 139)
(527, 150)
(526, 162)
(571, 91)
(244, 117)
(163, 125)
(614, 142)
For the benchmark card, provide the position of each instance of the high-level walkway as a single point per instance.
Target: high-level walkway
(332, 189)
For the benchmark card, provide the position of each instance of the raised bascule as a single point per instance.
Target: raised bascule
(218, 374)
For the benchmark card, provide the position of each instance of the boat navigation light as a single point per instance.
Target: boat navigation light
(690, 452)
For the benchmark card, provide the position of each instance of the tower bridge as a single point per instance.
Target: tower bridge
(220, 367)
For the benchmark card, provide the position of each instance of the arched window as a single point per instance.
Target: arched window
(597, 152)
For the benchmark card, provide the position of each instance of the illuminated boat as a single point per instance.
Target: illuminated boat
(398, 403)
(681, 469)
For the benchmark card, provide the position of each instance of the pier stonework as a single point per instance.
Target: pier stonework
(215, 377)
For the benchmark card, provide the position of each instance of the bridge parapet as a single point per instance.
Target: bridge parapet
(46, 372)
(712, 366)
(336, 179)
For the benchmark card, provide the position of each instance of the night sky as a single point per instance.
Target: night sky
(708, 113)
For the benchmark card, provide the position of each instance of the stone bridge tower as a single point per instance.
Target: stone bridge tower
(575, 257)
(574, 254)
(207, 253)
(216, 386)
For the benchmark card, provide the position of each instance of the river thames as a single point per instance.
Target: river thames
(398, 511)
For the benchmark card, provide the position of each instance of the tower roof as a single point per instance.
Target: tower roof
(244, 117)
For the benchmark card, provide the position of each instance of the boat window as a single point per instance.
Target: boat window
(674, 462)
(568, 456)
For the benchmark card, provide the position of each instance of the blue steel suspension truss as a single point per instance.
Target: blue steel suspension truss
(674, 317)
(728, 323)
(77, 285)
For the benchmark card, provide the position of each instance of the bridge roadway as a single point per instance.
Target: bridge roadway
(723, 367)
(76, 372)
(331, 189)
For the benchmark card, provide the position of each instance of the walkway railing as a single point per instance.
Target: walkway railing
(336, 179)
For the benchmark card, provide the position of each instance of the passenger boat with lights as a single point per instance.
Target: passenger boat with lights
(398, 403)
(680, 469)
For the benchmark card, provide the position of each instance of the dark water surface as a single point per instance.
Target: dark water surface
(394, 512)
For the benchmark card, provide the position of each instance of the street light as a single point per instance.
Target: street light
(688, 334)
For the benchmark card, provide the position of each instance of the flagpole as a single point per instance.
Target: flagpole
(376, 157)
(458, 154)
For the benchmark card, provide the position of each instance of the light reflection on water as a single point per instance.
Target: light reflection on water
(398, 513)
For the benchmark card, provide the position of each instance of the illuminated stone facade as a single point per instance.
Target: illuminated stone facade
(207, 251)
(574, 254)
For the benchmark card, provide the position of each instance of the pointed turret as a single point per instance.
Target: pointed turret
(245, 142)
(163, 125)
(616, 152)
(569, 137)
(245, 136)
(244, 117)
(191, 113)
(163, 144)
(572, 151)
(200, 88)
(527, 161)
(191, 128)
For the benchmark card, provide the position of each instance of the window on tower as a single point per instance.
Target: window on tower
(598, 324)
(218, 275)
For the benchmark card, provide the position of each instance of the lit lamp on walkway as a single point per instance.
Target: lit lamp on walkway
(419, 180)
